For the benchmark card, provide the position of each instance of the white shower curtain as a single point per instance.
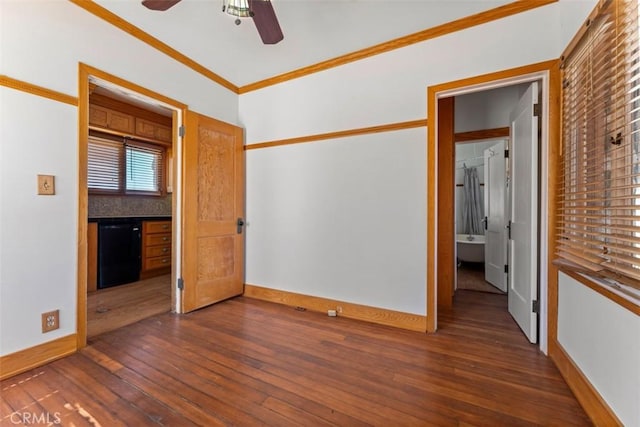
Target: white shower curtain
(472, 209)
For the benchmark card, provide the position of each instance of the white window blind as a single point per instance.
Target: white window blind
(144, 168)
(599, 194)
(105, 165)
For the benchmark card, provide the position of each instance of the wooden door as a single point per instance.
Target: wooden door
(213, 205)
(523, 241)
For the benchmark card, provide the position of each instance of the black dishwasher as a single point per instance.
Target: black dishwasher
(118, 252)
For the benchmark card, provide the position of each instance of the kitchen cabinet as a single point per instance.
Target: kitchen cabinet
(156, 248)
(152, 130)
(110, 119)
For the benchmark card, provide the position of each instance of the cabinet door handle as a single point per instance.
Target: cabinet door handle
(164, 239)
(165, 249)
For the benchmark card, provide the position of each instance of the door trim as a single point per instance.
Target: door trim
(85, 72)
(549, 73)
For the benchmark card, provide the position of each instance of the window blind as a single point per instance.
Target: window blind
(124, 166)
(105, 165)
(599, 176)
(144, 168)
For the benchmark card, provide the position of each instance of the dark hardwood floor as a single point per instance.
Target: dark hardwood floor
(247, 362)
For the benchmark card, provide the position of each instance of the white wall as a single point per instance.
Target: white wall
(42, 44)
(39, 237)
(340, 219)
(387, 88)
(603, 339)
(487, 109)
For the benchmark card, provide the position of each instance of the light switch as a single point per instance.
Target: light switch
(46, 185)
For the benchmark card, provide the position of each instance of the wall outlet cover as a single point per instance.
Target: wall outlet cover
(50, 321)
(46, 185)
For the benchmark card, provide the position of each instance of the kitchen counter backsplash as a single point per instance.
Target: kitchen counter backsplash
(118, 206)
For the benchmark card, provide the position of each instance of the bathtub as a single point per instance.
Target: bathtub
(470, 247)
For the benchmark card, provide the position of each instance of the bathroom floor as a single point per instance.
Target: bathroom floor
(471, 277)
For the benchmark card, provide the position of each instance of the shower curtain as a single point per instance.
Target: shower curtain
(472, 209)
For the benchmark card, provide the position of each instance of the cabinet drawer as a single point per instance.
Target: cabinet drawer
(152, 251)
(157, 226)
(157, 262)
(157, 239)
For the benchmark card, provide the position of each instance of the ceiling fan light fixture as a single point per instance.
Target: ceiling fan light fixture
(237, 8)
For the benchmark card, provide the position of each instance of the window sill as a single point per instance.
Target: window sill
(622, 295)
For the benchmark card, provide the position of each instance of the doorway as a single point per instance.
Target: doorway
(92, 80)
(440, 240)
(480, 215)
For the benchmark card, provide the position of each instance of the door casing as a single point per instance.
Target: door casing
(548, 73)
(85, 74)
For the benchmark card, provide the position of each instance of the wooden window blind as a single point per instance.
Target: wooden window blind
(599, 176)
(125, 167)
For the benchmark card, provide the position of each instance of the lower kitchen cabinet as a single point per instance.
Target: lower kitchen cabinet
(156, 248)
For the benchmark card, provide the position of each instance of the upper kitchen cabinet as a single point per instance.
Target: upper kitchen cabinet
(110, 119)
(123, 117)
(152, 130)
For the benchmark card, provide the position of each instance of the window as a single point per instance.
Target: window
(124, 167)
(599, 194)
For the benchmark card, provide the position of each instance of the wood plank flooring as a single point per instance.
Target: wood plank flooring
(470, 276)
(112, 308)
(247, 362)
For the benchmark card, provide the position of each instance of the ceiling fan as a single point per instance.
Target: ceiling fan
(264, 17)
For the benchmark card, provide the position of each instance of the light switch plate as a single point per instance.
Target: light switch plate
(46, 185)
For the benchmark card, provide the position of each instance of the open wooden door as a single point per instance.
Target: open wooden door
(213, 212)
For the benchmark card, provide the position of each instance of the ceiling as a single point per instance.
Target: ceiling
(314, 30)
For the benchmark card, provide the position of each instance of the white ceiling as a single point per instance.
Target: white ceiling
(314, 30)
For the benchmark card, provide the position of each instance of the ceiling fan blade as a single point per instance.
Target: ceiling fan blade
(159, 4)
(266, 21)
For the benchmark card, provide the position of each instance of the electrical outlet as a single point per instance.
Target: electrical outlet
(50, 321)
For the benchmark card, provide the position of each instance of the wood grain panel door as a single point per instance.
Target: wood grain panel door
(213, 246)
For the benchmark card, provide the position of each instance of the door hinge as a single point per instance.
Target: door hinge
(506, 154)
(508, 227)
(180, 283)
(506, 268)
(181, 131)
(535, 306)
(537, 110)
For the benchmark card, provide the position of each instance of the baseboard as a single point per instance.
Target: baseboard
(398, 319)
(592, 403)
(23, 360)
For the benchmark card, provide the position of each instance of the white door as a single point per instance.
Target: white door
(523, 242)
(495, 247)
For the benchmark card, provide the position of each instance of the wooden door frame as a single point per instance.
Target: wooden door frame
(442, 241)
(85, 73)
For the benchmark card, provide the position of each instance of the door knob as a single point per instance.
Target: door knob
(240, 224)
